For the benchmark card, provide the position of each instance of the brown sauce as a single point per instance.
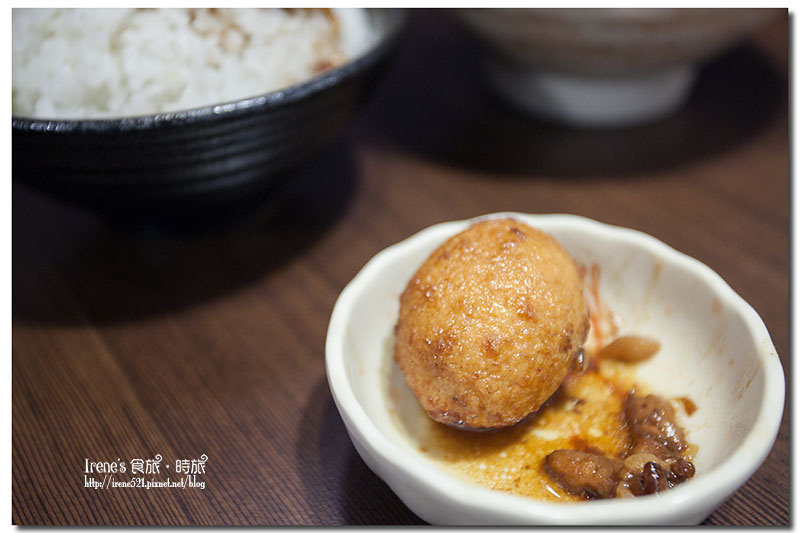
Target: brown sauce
(586, 414)
(688, 405)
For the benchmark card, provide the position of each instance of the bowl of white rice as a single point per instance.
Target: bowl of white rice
(135, 109)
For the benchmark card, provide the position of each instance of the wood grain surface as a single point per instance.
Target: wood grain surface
(135, 341)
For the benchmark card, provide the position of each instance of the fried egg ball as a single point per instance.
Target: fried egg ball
(490, 324)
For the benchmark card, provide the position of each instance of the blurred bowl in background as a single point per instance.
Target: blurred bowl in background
(195, 160)
(603, 67)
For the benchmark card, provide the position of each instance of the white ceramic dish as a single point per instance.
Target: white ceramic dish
(604, 67)
(715, 350)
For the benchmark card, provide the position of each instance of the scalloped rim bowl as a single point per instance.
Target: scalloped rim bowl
(715, 349)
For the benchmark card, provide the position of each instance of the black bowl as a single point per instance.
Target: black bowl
(193, 159)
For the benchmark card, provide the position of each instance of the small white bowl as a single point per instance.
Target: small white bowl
(604, 67)
(715, 350)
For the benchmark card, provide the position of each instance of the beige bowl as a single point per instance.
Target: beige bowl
(600, 67)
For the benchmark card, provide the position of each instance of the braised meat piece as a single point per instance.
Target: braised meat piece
(680, 471)
(651, 421)
(654, 462)
(643, 473)
(586, 474)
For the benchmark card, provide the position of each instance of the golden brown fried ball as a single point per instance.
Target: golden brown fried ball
(489, 325)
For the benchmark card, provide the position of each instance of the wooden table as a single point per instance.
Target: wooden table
(128, 344)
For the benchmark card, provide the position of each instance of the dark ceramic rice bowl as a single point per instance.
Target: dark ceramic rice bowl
(201, 157)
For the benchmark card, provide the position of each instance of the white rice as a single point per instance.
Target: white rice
(95, 63)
